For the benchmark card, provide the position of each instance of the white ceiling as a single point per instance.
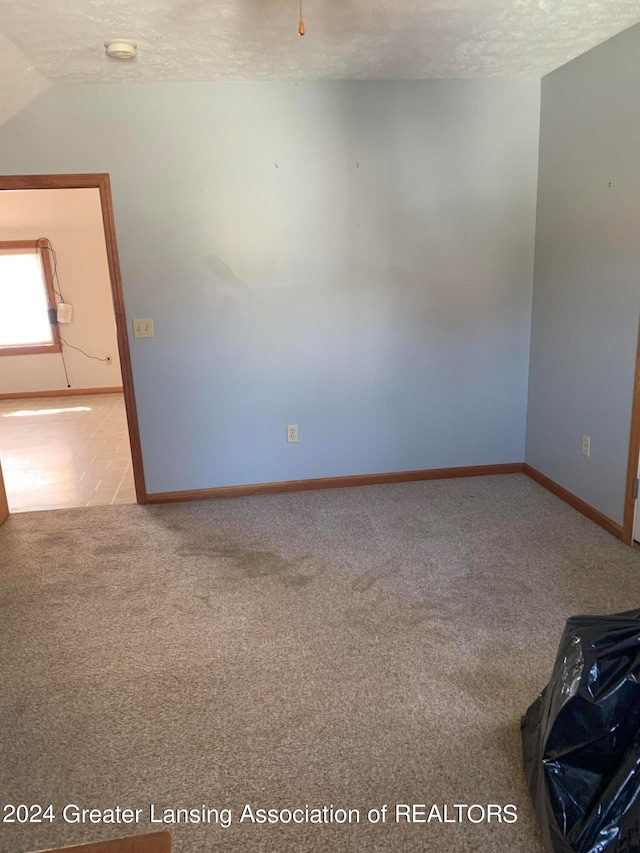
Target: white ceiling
(61, 41)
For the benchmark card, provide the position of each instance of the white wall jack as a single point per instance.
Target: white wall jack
(143, 328)
(292, 432)
(586, 445)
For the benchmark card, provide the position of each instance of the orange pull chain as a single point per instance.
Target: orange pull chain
(301, 29)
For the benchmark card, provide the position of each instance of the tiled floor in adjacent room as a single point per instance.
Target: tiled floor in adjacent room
(65, 451)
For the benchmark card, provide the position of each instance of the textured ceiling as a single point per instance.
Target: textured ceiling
(61, 41)
(181, 40)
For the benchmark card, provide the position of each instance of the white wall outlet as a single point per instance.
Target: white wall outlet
(108, 361)
(586, 445)
(143, 328)
(292, 432)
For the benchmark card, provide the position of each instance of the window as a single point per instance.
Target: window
(26, 294)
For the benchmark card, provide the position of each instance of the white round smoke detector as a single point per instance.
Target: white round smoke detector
(121, 49)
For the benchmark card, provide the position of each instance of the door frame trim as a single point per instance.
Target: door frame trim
(101, 182)
(634, 455)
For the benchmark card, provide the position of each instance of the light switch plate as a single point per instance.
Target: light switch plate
(143, 328)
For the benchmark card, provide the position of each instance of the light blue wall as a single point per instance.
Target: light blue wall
(356, 258)
(587, 273)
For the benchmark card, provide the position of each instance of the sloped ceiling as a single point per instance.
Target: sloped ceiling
(19, 80)
(61, 41)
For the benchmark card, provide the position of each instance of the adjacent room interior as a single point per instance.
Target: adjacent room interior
(397, 251)
(63, 433)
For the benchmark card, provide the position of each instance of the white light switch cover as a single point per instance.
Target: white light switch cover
(143, 328)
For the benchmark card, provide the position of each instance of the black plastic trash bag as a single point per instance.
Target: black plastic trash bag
(581, 739)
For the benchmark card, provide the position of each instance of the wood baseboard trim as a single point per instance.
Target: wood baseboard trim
(61, 392)
(573, 500)
(333, 483)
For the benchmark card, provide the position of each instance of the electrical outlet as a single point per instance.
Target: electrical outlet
(292, 432)
(586, 445)
(108, 361)
(143, 328)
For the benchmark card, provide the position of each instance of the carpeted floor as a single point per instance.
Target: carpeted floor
(352, 648)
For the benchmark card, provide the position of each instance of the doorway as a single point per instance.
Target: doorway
(631, 521)
(104, 413)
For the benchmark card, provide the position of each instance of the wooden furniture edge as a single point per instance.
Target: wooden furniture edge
(151, 842)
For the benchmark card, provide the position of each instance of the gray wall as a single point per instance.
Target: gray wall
(586, 300)
(356, 258)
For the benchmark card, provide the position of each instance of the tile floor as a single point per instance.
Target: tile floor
(65, 451)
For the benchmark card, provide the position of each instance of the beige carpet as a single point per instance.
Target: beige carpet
(352, 648)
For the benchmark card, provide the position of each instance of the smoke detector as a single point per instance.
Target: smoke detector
(121, 49)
